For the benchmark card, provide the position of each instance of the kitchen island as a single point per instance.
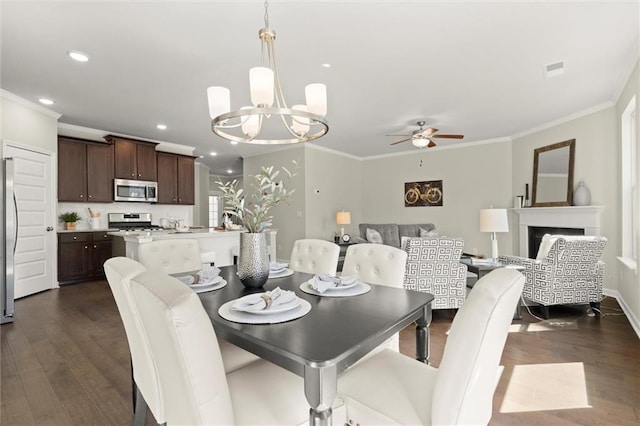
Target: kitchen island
(225, 244)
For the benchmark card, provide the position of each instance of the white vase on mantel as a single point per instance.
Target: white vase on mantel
(581, 195)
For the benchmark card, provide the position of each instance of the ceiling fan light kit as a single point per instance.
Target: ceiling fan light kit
(300, 123)
(423, 137)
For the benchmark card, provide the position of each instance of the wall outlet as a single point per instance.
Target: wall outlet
(300, 214)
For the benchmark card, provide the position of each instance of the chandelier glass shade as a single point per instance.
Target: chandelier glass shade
(255, 124)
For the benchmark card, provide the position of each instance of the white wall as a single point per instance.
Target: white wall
(28, 123)
(201, 207)
(473, 177)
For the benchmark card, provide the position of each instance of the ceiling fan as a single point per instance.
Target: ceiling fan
(423, 137)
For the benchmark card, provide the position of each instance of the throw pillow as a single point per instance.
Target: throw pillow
(373, 236)
(425, 233)
(545, 246)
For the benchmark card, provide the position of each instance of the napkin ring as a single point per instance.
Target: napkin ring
(267, 300)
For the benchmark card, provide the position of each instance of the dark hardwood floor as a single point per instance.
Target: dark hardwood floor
(65, 361)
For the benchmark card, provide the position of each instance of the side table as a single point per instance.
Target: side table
(481, 271)
(343, 252)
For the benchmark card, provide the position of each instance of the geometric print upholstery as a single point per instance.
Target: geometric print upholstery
(433, 266)
(571, 273)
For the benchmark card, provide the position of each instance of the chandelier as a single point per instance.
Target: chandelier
(256, 124)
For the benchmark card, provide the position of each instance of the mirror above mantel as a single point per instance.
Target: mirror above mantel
(553, 174)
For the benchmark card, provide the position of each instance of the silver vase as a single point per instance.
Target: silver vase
(253, 259)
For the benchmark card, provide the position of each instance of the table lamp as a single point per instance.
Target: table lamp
(343, 218)
(494, 220)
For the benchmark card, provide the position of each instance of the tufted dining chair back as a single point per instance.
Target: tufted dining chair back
(315, 257)
(376, 264)
(172, 256)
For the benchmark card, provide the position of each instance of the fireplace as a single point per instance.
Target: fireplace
(569, 220)
(537, 232)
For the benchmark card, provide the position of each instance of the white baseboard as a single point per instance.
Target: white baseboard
(633, 320)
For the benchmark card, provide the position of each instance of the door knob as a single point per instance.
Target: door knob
(49, 228)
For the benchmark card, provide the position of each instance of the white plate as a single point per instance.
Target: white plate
(280, 274)
(338, 288)
(273, 310)
(210, 287)
(241, 317)
(361, 288)
(206, 283)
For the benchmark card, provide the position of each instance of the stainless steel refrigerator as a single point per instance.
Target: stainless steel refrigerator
(8, 238)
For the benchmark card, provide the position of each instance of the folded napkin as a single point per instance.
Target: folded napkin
(203, 276)
(322, 283)
(277, 267)
(264, 301)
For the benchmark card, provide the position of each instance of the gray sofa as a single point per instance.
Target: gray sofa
(392, 233)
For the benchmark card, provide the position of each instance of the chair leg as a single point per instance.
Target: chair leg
(140, 414)
(545, 311)
(595, 307)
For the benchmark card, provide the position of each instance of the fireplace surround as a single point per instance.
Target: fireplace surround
(571, 220)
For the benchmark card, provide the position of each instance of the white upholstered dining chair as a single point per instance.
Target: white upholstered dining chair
(315, 257)
(194, 389)
(377, 264)
(391, 388)
(178, 256)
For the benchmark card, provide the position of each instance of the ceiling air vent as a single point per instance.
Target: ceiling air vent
(554, 69)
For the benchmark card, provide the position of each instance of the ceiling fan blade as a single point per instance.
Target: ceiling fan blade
(448, 136)
(405, 135)
(403, 140)
(431, 144)
(428, 132)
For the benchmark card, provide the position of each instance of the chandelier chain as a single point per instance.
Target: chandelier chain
(266, 14)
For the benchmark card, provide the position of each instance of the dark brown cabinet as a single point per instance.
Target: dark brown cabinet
(81, 256)
(85, 171)
(134, 160)
(175, 179)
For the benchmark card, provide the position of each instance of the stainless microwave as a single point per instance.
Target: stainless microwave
(135, 190)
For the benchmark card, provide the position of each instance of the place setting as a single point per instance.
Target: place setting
(279, 270)
(207, 279)
(269, 307)
(335, 286)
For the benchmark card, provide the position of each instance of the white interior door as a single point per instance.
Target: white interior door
(36, 246)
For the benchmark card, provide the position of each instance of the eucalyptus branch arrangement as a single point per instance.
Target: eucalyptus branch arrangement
(267, 191)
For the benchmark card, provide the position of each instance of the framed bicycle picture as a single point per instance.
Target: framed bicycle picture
(423, 194)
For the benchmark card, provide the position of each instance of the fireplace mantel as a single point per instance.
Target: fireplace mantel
(581, 217)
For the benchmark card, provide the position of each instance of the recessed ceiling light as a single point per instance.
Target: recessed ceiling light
(229, 171)
(46, 101)
(162, 127)
(200, 156)
(213, 153)
(78, 56)
(326, 65)
(234, 142)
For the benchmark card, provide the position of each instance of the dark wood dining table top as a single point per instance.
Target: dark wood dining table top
(336, 332)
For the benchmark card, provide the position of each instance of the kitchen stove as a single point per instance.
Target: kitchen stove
(132, 222)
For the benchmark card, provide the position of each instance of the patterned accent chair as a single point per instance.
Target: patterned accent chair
(567, 270)
(433, 266)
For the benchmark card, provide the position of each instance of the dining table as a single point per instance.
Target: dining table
(331, 337)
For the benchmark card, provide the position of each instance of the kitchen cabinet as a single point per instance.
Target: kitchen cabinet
(175, 179)
(81, 256)
(134, 159)
(85, 170)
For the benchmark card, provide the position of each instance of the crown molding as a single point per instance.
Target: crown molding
(28, 104)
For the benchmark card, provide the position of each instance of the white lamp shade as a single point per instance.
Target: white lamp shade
(494, 220)
(250, 124)
(300, 125)
(343, 218)
(261, 85)
(316, 96)
(219, 100)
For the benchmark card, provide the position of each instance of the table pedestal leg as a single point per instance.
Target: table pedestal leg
(320, 388)
(422, 335)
